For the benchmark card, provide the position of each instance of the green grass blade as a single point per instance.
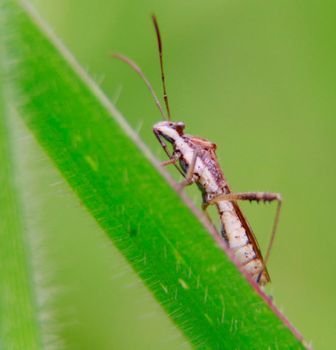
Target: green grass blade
(176, 257)
(19, 325)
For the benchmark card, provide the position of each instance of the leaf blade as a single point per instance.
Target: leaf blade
(19, 326)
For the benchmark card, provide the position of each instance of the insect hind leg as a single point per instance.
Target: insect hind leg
(255, 196)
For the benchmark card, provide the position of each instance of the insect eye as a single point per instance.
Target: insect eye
(180, 125)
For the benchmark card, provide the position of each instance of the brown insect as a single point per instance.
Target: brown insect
(195, 158)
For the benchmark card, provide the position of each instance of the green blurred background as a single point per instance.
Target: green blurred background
(257, 78)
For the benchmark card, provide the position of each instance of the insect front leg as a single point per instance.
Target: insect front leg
(191, 169)
(255, 196)
(172, 160)
(168, 162)
(172, 157)
(162, 143)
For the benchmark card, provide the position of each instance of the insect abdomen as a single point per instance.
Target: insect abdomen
(237, 239)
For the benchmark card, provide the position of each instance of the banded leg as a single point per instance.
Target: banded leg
(254, 196)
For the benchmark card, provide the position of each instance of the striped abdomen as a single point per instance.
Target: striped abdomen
(239, 242)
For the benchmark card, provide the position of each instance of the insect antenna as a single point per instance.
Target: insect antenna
(158, 35)
(137, 69)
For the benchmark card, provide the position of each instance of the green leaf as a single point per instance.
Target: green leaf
(19, 328)
(181, 262)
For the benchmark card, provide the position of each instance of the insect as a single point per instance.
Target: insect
(195, 158)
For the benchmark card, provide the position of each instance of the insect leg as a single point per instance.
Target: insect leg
(172, 159)
(256, 196)
(162, 143)
(168, 162)
(206, 213)
(189, 176)
(250, 196)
